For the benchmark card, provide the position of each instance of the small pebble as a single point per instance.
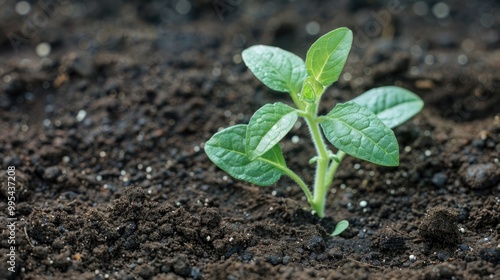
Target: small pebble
(481, 176)
(51, 173)
(443, 256)
(22, 8)
(81, 115)
(363, 203)
(43, 49)
(12, 161)
(439, 179)
(274, 259)
(491, 255)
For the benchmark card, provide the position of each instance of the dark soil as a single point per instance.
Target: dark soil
(106, 135)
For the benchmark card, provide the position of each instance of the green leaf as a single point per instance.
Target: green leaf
(267, 127)
(358, 132)
(340, 227)
(278, 69)
(392, 105)
(327, 56)
(311, 90)
(226, 149)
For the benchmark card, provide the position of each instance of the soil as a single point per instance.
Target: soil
(106, 133)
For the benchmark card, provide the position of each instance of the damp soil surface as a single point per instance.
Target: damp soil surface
(106, 106)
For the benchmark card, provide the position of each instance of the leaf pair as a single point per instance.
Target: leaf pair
(361, 128)
(284, 71)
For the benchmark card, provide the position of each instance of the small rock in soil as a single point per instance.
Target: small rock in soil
(51, 173)
(232, 250)
(131, 243)
(478, 143)
(440, 226)
(246, 256)
(12, 161)
(40, 252)
(481, 176)
(274, 259)
(491, 255)
(196, 272)
(443, 256)
(439, 179)
(335, 253)
(165, 268)
(464, 247)
(443, 271)
(316, 244)
(321, 257)
(181, 266)
(146, 271)
(463, 214)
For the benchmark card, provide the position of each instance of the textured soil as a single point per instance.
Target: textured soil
(106, 134)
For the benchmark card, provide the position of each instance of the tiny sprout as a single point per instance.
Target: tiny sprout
(360, 128)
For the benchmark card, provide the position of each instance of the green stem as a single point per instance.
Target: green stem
(296, 100)
(333, 167)
(325, 166)
(320, 188)
(300, 182)
(293, 176)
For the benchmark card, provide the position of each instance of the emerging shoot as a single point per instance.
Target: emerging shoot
(360, 128)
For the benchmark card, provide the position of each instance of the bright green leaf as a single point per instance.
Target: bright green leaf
(226, 149)
(358, 132)
(340, 227)
(327, 56)
(278, 69)
(311, 89)
(392, 105)
(267, 127)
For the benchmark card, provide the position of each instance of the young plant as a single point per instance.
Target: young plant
(360, 128)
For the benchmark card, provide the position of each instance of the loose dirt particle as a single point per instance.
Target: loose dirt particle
(440, 226)
(391, 241)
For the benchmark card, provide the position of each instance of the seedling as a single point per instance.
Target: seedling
(360, 128)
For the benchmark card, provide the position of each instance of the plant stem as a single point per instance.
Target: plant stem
(296, 100)
(300, 182)
(333, 167)
(320, 188)
(325, 166)
(294, 177)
